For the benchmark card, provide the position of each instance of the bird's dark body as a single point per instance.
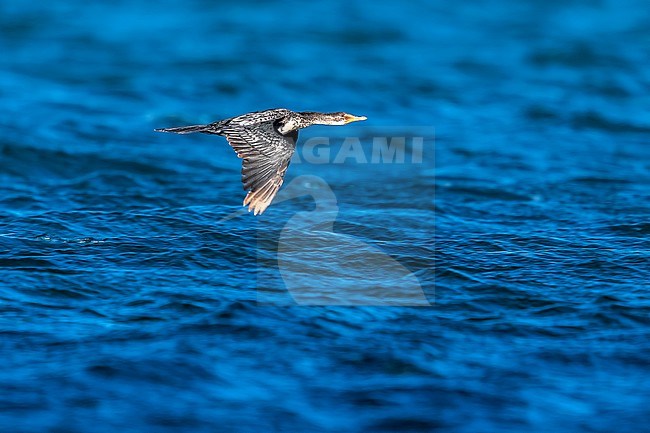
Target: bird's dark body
(265, 140)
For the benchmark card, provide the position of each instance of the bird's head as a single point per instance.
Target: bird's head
(338, 118)
(343, 118)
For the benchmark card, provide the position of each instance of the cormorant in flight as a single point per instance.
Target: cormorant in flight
(265, 140)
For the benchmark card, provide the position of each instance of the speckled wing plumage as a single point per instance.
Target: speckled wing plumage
(265, 152)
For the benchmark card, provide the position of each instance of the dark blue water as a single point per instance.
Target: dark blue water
(133, 299)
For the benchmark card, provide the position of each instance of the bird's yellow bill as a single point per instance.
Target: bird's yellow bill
(350, 118)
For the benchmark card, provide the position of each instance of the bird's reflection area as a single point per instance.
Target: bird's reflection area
(319, 266)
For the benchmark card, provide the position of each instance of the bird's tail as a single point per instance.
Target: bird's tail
(188, 129)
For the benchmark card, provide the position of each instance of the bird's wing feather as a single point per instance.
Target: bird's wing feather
(262, 178)
(258, 117)
(266, 156)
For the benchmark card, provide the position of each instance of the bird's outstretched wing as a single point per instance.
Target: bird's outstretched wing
(266, 156)
(262, 178)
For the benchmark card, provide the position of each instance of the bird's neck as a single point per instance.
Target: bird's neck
(308, 118)
(305, 119)
(296, 121)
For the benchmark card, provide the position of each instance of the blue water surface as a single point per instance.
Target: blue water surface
(135, 297)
